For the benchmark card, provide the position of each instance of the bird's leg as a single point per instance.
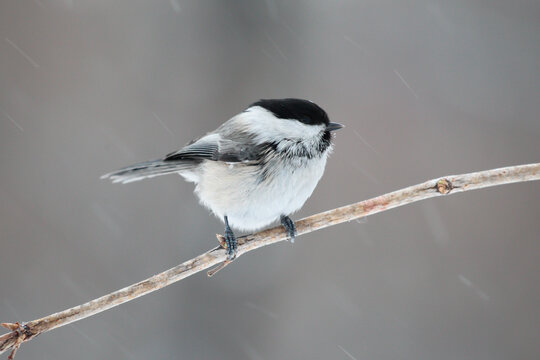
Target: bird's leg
(230, 240)
(289, 226)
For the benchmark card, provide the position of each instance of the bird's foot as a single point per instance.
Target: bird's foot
(230, 241)
(289, 226)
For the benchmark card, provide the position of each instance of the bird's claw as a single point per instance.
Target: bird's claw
(289, 226)
(232, 245)
(230, 240)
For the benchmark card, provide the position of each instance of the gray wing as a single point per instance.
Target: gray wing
(211, 147)
(217, 148)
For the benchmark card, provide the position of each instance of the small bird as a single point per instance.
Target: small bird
(259, 166)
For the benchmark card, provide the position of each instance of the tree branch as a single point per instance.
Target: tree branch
(21, 332)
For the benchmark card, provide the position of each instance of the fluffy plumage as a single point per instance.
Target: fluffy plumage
(261, 164)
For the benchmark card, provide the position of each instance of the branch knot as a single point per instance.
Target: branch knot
(444, 186)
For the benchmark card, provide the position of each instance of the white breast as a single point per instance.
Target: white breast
(236, 190)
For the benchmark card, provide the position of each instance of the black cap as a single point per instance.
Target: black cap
(304, 111)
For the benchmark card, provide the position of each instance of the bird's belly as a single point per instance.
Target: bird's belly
(249, 203)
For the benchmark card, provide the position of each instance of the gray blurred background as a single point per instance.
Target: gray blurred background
(426, 88)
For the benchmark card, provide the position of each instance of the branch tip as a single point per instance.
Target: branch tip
(221, 240)
(10, 326)
(218, 268)
(20, 333)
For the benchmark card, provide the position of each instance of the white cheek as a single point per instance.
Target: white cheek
(262, 122)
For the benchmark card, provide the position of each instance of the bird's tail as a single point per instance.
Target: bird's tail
(147, 169)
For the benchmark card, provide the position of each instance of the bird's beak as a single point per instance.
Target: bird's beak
(333, 126)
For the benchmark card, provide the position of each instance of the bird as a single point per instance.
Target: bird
(259, 166)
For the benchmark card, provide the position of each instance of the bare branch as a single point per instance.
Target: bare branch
(21, 332)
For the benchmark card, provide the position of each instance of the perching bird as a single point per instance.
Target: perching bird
(259, 166)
